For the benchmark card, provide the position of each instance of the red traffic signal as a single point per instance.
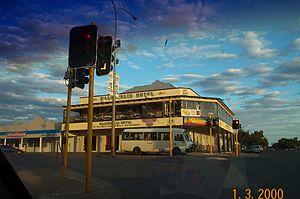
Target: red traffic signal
(83, 46)
(236, 124)
(208, 123)
(215, 122)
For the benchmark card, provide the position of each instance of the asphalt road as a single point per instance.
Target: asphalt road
(157, 176)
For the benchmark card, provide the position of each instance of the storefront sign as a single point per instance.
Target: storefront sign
(16, 134)
(190, 112)
(225, 126)
(194, 121)
(142, 95)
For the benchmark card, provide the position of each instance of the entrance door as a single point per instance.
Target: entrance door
(94, 143)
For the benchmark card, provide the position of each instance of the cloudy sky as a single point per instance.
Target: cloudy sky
(246, 52)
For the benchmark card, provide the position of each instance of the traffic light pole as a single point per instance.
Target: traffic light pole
(171, 130)
(236, 143)
(66, 133)
(210, 135)
(90, 131)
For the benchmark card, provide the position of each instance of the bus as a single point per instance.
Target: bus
(156, 140)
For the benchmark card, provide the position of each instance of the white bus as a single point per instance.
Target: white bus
(155, 140)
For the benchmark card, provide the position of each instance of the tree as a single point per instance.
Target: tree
(285, 143)
(256, 138)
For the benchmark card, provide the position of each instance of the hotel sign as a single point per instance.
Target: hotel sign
(138, 123)
(143, 95)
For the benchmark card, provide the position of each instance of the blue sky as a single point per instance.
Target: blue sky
(246, 52)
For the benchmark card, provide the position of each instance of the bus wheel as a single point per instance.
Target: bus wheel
(137, 151)
(176, 151)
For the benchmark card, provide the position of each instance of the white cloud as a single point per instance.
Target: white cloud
(198, 34)
(296, 43)
(145, 54)
(283, 74)
(171, 78)
(133, 65)
(168, 65)
(222, 56)
(234, 72)
(193, 76)
(255, 46)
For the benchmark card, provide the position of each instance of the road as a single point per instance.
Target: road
(157, 176)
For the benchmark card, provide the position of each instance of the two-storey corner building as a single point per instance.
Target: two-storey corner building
(147, 107)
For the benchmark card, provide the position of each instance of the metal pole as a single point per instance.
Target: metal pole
(210, 134)
(218, 137)
(171, 130)
(232, 142)
(66, 133)
(90, 131)
(113, 122)
(236, 144)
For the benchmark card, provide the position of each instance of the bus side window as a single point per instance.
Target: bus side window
(147, 136)
(138, 136)
(166, 136)
(159, 137)
(125, 136)
(153, 136)
(131, 136)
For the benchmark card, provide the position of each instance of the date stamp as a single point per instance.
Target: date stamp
(261, 193)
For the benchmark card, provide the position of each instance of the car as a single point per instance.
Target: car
(253, 149)
(10, 149)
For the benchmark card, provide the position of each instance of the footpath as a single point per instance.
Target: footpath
(47, 182)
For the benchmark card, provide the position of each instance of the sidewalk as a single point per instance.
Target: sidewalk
(45, 182)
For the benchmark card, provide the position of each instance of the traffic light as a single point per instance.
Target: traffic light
(118, 43)
(236, 124)
(81, 77)
(104, 51)
(215, 122)
(208, 123)
(82, 46)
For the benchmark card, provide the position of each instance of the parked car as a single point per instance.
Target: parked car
(253, 149)
(10, 149)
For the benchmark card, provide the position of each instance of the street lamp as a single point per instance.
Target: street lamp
(113, 125)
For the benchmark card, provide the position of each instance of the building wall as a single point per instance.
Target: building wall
(37, 123)
(37, 135)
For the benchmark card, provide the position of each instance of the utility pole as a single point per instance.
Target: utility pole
(113, 122)
(116, 45)
(90, 131)
(210, 134)
(236, 143)
(171, 130)
(66, 132)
